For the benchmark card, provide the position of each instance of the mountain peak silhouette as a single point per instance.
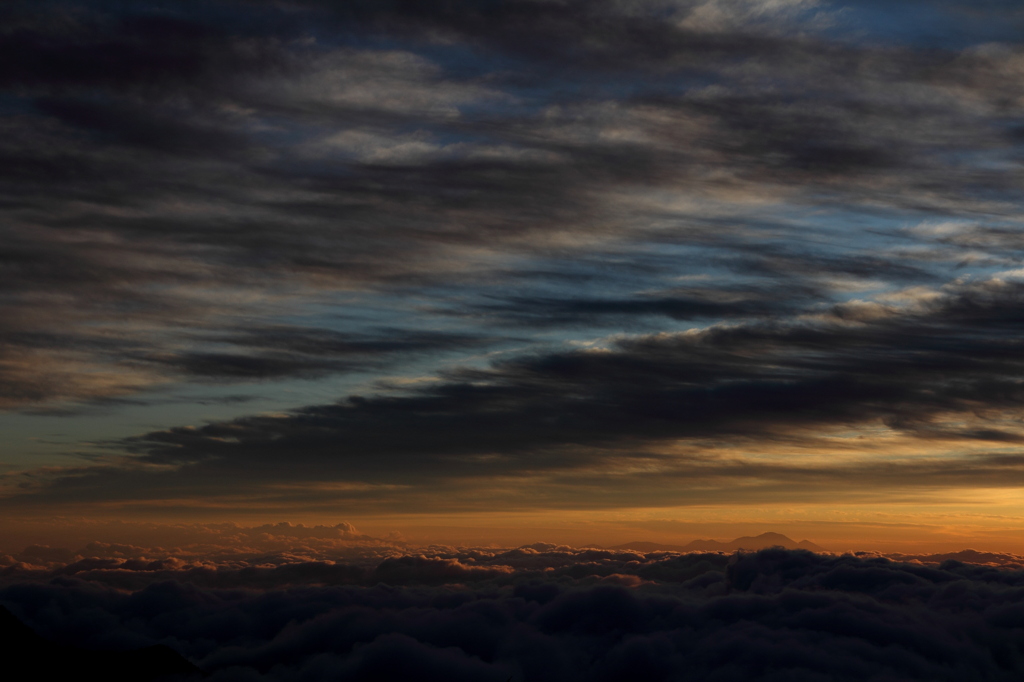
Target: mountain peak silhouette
(762, 541)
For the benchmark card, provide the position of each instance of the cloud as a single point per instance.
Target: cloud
(145, 52)
(696, 304)
(282, 351)
(170, 174)
(636, 417)
(774, 614)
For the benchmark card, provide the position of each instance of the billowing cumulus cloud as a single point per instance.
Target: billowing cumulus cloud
(557, 613)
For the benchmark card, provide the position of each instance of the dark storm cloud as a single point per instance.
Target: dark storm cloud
(772, 615)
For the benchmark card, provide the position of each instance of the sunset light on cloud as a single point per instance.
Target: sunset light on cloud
(305, 292)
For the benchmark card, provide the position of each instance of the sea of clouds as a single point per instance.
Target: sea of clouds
(297, 603)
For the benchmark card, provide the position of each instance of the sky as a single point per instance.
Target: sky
(500, 272)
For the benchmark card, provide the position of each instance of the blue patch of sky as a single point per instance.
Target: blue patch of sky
(935, 24)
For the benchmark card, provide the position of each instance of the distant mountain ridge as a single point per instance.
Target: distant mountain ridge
(762, 541)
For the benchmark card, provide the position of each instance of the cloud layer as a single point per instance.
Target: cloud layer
(557, 613)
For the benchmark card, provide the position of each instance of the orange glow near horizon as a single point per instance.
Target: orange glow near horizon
(898, 528)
